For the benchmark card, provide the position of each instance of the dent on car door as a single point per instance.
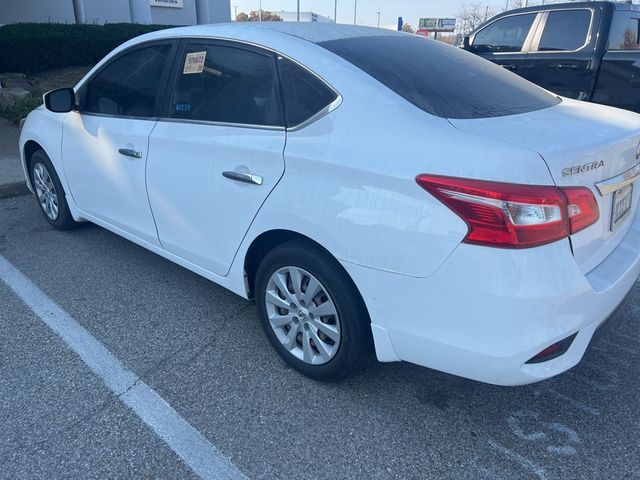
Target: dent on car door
(217, 152)
(506, 40)
(105, 143)
(619, 80)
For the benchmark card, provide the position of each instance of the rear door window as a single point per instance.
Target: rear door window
(625, 31)
(565, 30)
(305, 95)
(227, 84)
(507, 34)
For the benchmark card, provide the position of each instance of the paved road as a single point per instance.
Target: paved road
(200, 348)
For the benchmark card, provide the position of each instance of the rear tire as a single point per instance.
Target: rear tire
(49, 192)
(319, 325)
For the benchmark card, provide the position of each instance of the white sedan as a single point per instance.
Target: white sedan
(372, 191)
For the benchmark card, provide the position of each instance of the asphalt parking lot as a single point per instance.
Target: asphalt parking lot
(201, 349)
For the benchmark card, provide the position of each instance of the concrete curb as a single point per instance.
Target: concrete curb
(14, 190)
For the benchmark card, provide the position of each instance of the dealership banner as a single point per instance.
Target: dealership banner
(167, 3)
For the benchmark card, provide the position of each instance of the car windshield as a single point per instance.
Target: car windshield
(440, 79)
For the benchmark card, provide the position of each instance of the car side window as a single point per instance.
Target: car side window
(625, 31)
(565, 30)
(225, 84)
(304, 94)
(130, 85)
(505, 35)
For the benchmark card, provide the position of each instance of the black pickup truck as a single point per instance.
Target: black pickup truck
(588, 50)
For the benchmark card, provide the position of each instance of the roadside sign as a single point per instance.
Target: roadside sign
(428, 23)
(447, 24)
(437, 24)
(423, 32)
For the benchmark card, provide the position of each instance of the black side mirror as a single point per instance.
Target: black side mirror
(62, 100)
(467, 43)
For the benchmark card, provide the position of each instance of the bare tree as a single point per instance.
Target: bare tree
(472, 15)
(408, 28)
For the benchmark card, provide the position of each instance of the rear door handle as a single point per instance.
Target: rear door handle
(128, 152)
(243, 177)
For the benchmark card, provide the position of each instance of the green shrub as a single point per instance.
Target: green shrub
(34, 47)
(21, 108)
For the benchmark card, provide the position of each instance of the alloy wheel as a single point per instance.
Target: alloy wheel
(303, 315)
(45, 191)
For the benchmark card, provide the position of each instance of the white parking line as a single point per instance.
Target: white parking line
(189, 444)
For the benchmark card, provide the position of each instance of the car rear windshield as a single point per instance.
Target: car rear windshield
(440, 79)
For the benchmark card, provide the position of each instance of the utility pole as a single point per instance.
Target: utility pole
(335, 12)
(260, 11)
(235, 7)
(378, 19)
(298, 10)
(355, 11)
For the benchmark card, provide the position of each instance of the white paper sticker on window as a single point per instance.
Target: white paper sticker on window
(194, 62)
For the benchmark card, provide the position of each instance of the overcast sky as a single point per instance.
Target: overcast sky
(410, 10)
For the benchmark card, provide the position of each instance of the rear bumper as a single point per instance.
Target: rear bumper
(486, 312)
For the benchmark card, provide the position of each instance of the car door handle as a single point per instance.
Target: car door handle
(565, 66)
(508, 66)
(128, 152)
(243, 177)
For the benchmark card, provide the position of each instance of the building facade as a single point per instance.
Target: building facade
(167, 12)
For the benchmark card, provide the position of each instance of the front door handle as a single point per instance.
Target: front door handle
(243, 177)
(509, 66)
(128, 152)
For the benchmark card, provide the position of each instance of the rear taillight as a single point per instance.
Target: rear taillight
(583, 208)
(511, 215)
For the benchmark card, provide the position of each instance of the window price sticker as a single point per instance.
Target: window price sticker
(194, 62)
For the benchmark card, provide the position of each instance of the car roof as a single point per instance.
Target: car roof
(311, 32)
(323, 32)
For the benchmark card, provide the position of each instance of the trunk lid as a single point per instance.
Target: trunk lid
(583, 145)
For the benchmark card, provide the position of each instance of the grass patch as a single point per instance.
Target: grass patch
(21, 108)
(43, 82)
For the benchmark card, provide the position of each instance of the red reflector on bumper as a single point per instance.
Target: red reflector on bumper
(554, 351)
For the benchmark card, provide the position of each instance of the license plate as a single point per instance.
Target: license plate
(622, 200)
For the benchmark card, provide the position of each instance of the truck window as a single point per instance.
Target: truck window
(504, 35)
(565, 30)
(625, 31)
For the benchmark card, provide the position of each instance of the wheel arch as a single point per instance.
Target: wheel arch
(30, 147)
(270, 239)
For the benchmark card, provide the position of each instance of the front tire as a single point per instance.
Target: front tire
(312, 313)
(49, 192)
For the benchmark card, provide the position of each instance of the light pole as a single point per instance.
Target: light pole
(355, 11)
(235, 7)
(298, 10)
(260, 11)
(335, 12)
(378, 19)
